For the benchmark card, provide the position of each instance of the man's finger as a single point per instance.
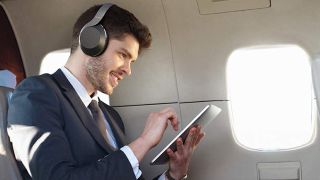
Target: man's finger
(171, 154)
(190, 137)
(179, 146)
(200, 137)
(171, 115)
(174, 122)
(196, 135)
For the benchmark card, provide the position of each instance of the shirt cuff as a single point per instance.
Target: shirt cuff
(133, 160)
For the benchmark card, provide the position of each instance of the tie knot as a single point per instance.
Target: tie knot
(93, 106)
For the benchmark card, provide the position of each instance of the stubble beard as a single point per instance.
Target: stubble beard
(96, 75)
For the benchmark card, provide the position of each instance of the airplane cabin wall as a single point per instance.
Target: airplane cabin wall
(200, 47)
(185, 68)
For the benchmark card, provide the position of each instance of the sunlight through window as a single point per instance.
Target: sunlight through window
(271, 97)
(56, 59)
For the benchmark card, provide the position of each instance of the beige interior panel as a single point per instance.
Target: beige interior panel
(134, 118)
(201, 44)
(218, 156)
(222, 6)
(153, 79)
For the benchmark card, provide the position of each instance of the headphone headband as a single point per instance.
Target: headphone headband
(99, 15)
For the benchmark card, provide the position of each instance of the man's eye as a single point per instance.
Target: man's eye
(123, 55)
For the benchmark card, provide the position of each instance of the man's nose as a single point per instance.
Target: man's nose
(127, 68)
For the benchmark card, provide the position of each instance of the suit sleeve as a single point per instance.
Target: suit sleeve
(35, 127)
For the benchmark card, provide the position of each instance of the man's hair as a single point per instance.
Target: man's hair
(118, 22)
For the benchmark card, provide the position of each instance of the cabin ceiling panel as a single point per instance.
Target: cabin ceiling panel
(222, 6)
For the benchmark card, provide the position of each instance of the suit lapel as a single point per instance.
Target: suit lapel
(119, 135)
(80, 109)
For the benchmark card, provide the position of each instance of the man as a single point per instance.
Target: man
(58, 131)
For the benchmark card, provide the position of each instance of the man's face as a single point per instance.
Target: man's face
(104, 72)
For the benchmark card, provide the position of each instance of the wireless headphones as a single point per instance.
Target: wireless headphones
(93, 38)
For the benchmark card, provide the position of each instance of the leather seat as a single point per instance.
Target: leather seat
(8, 166)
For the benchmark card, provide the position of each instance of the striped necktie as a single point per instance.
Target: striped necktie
(98, 116)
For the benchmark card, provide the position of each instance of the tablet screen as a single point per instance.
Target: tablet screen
(206, 115)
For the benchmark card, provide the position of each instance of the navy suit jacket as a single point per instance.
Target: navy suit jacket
(55, 137)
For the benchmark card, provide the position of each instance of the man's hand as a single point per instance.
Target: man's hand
(179, 160)
(156, 124)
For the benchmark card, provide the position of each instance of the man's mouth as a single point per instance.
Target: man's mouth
(114, 79)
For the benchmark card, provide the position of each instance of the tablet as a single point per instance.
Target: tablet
(206, 115)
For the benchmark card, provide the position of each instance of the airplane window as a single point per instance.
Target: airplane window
(272, 104)
(56, 59)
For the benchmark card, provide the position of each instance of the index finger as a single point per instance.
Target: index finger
(171, 115)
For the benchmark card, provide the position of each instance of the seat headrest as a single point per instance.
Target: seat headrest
(7, 79)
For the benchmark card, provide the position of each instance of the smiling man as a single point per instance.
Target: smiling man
(61, 131)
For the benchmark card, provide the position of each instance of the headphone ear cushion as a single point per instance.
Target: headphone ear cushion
(93, 40)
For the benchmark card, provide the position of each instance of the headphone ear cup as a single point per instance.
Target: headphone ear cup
(93, 40)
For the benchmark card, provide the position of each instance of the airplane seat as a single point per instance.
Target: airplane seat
(8, 167)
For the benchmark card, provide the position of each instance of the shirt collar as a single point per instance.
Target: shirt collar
(79, 88)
